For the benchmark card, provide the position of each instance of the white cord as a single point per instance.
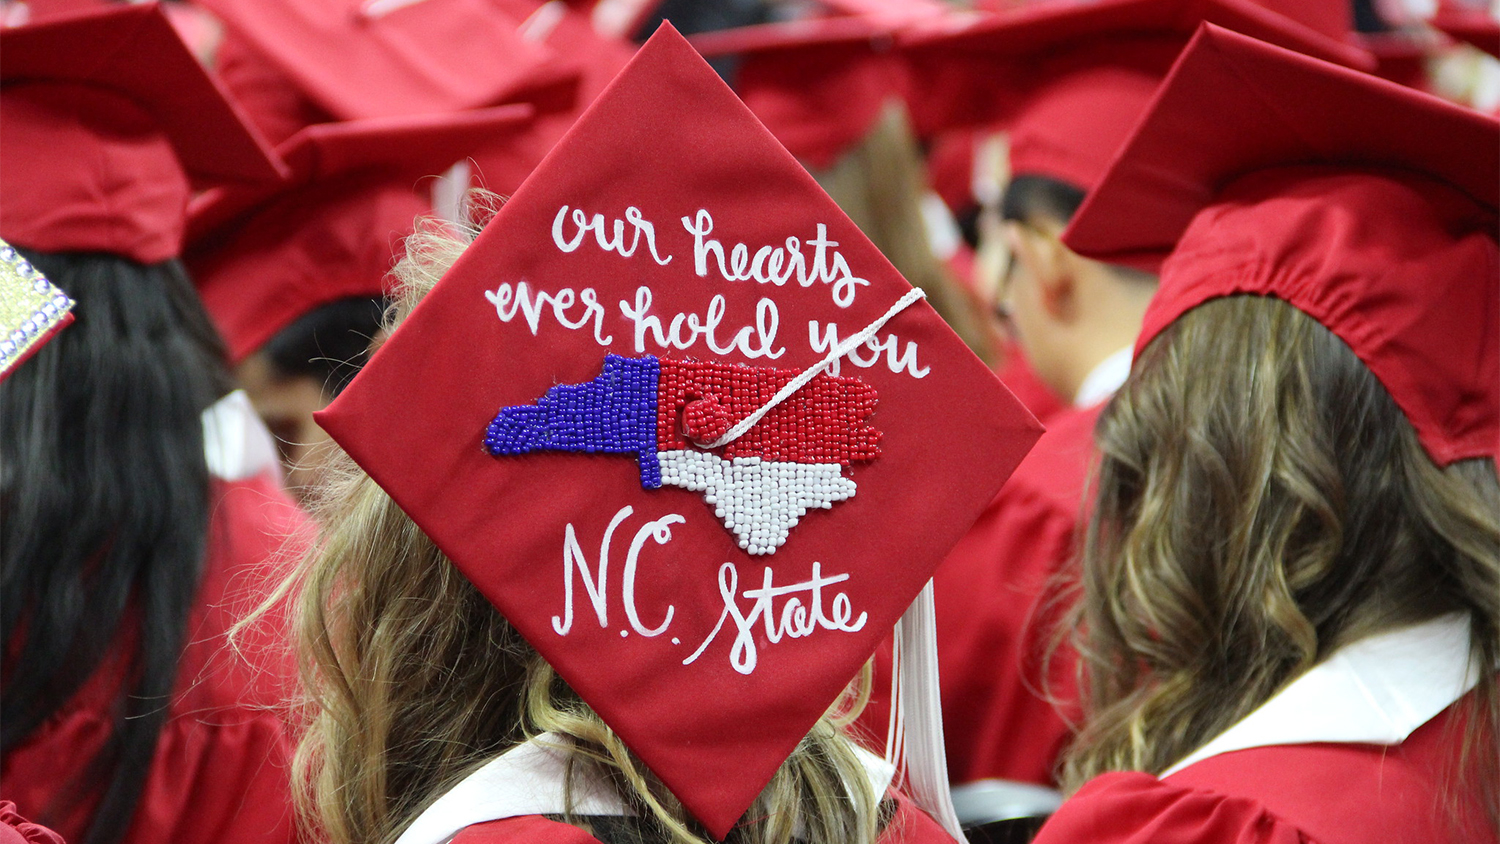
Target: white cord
(811, 372)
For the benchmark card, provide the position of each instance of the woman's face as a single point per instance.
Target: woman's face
(286, 404)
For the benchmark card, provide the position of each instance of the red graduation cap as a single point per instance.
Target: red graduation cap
(1068, 80)
(1470, 24)
(100, 148)
(357, 59)
(262, 257)
(818, 83)
(1367, 205)
(550, 413)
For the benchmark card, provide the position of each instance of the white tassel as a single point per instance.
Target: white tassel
(450, 193)
(914, 738)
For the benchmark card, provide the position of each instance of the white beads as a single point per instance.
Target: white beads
(759, 501)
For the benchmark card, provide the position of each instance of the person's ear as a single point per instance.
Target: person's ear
(1051, 265)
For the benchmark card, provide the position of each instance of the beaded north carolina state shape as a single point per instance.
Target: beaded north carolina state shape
(657, 409)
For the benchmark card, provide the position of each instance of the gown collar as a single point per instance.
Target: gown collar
(531, 779)
(1378, 690)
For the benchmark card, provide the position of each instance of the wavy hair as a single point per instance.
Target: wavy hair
(1262, 501)
(414, 679)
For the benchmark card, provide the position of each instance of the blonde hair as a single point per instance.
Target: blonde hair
(1262, 501)
(414, 679)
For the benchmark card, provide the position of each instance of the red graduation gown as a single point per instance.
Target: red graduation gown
(1287, 794)
(910, 825)
(15, 829)
(996, 723)
(220, 775)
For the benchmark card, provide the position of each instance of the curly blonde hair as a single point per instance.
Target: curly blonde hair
(1262, 501)
(413, 679)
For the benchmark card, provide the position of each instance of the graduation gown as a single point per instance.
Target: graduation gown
(509, 801)
(221, 770)
(15, 829)
(1362, 748)
(996, 722)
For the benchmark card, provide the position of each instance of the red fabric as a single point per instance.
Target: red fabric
(991, 627)
(1475, 26)
(220, 774)
(15, 829)
(599, 59)
(824, 103)
(1018, 376)
(1401, 268)
(1368, 206)
(268, 96)
(671, 141)
(909, 825)
(356, 61)
(1073, 123)
(132, 134)
(990, 67)
(263, 257)
(1223, 112)
(1292, 794)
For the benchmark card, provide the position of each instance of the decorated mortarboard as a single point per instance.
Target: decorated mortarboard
(360, 59)
(686, 428)
(1068, 80)
(31, 309)
(262, 257)
(1367, 205)
(101, 150)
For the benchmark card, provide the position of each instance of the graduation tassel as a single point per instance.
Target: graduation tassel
(914, 737)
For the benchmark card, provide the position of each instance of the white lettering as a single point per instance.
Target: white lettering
(595, 584)
(509, 301)
(828, 264)
(686, 330)
(868, 353)
(795, 620)
(584, 224)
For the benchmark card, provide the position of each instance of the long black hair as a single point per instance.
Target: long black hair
(104, 514)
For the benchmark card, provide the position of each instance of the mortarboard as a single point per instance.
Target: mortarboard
(557, 406)
(358, 59)
(1068, 80)
(137, 136)
(820, 83)
(1367, 205)
(262, 257)
(1476, 26)
(31, 309)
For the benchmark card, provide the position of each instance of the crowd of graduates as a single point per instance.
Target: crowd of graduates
(1220, 563)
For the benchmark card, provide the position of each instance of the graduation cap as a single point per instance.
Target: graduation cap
(264, 256)
(1472, 25)
(359, 59)
(31, 309)
(623, 372)
(1367, 205)
(1068, 80)
(101, 150)
(818, 83)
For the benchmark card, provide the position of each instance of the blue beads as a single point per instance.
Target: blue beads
(613, 414)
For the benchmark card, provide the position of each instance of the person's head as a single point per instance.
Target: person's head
(104, 513)
(294, 273)
(1068, 312)
(415, 679)
(300, 370)
(104, 482)
(1261, 502)
(1304, 454)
